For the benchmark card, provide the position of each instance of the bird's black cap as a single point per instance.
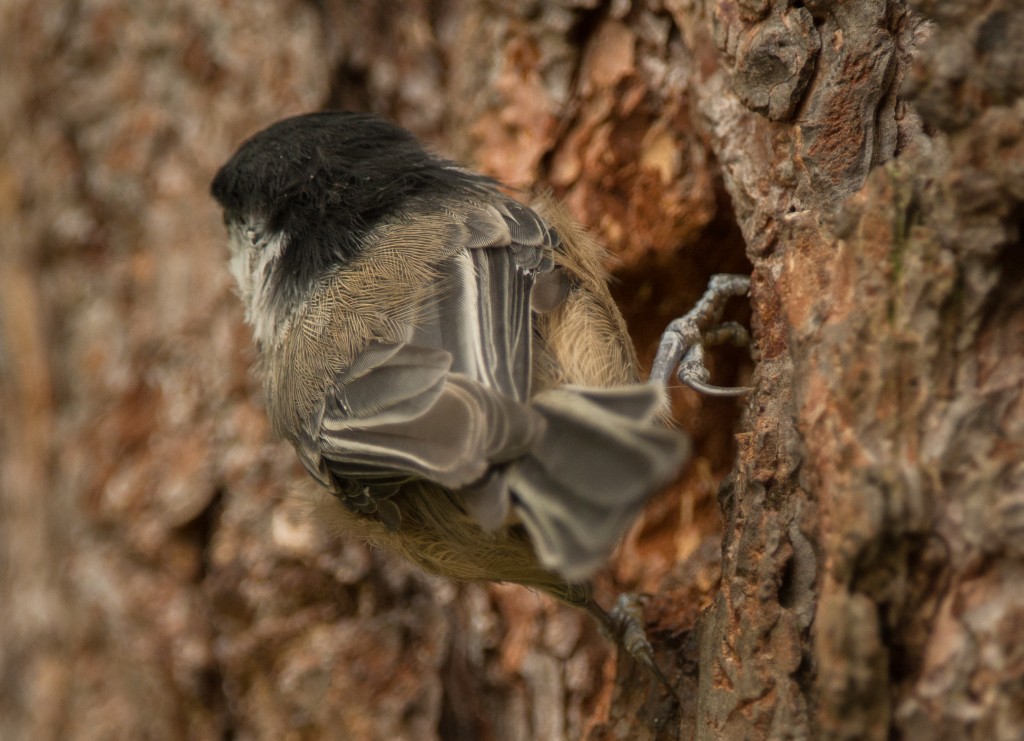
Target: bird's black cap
(325, 179)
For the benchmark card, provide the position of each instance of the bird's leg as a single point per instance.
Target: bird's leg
(624, 625)
(682, 343)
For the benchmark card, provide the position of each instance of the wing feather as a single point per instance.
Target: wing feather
(448, 400)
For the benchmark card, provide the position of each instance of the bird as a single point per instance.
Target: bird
(446, 359)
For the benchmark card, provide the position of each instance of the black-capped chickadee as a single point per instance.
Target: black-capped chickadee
(447, 362)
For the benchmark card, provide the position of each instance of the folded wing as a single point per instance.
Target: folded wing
(450, 402)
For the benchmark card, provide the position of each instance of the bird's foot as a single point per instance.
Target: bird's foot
(625, 625)
(682, 344)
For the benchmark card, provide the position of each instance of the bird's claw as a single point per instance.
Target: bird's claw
(625, 625)
(681, 349)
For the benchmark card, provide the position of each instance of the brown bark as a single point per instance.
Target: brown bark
(859, 574)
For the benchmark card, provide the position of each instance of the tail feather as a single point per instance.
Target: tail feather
(602, 453)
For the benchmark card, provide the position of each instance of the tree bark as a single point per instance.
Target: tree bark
(841, 559)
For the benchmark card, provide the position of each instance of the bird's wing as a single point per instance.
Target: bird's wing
(482, 315)
(445, 399)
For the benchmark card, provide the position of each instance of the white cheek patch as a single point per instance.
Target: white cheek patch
(239, 267)
(253, 267)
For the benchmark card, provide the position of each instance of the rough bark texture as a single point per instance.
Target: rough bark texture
(860, 574)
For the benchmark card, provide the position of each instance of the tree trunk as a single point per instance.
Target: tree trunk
(842, 559)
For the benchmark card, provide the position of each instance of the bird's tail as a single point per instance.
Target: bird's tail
(602, 453)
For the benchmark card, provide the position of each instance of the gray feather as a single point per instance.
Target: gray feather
(525, 226)
(487, 228)
(549, 291)
(464, 429)
(580, 487)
